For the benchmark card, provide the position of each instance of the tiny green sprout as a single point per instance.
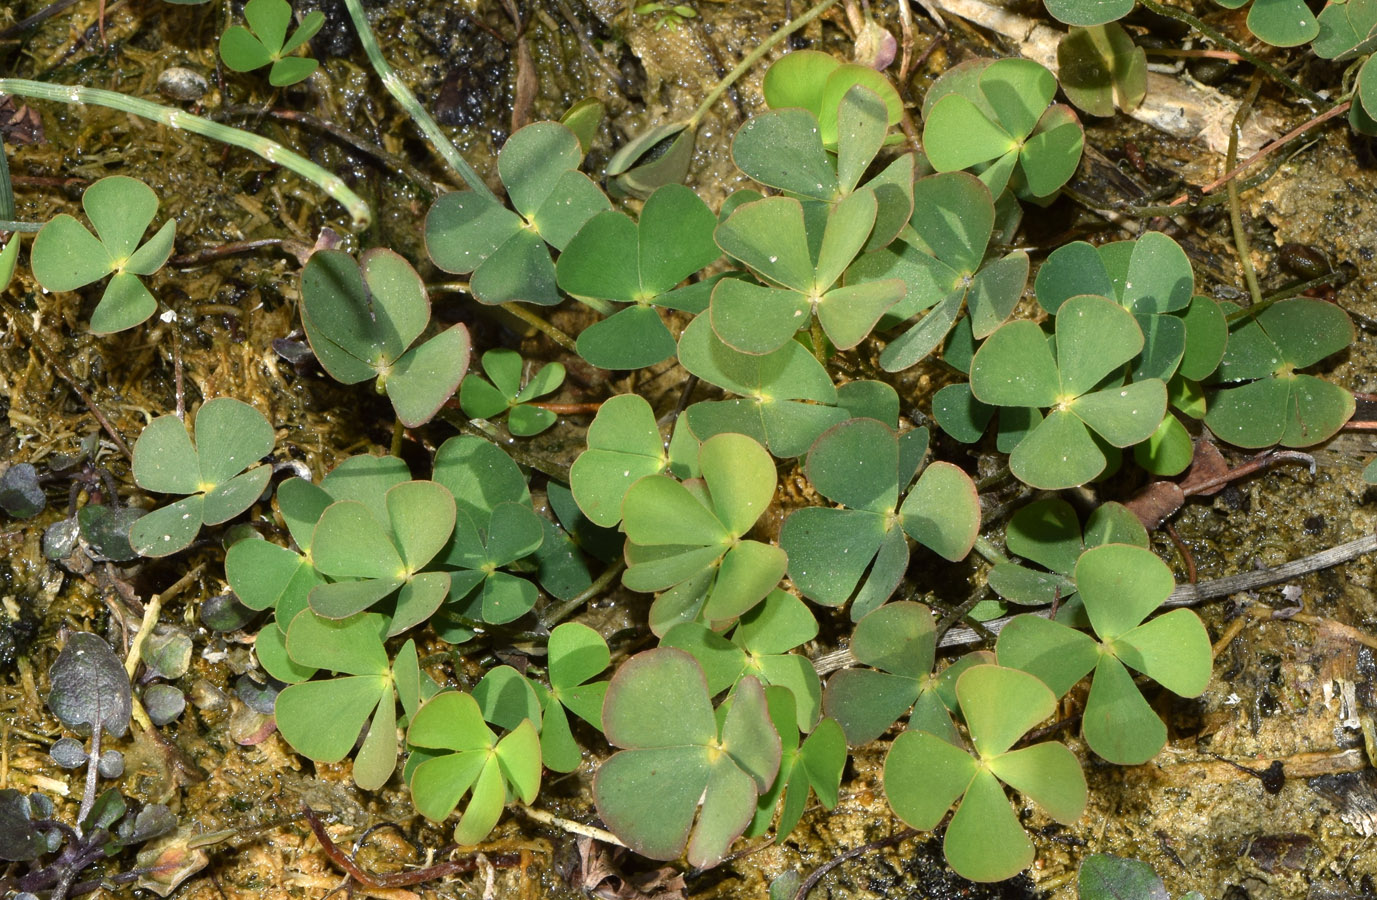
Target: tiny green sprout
(495, 526)
(667, 15)
(265, 42)
(925, 774)
(761, 645)
(371, 558)
(1101, 70)
(624, 446)
(998, 117)
(1120, 585)
(577, 654)
(231, 436)
(869, 469)
(1048, 533)
(455, 753)
(815, 765)
(675, 756)
(775, 238)
(1094, 337)
(900, 642)
(785, 398)
(363, 320)
(502, 392)
(640, 263)
(942, 260)
(506, 251)
(817, 82)
(1263, 399)
(1105, 877)
(1281, 23)
(322, 719)
(688, 539)
(66, 256)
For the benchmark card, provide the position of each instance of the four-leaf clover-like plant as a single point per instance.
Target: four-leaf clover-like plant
(688, 539)
(925, 774)
(1017, 366)
(1120, 586)
(866, 467)
(676, 756)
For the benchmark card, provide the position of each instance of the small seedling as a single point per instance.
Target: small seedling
(998, 116)
(667, 15)
(687, 539)
(1120, 585)
(506, 251)
(866, 467)
(231, 436)
(362, 320)
(675, 757)
(265, 42)
(66, 256)
(502, 392)
(455, 753)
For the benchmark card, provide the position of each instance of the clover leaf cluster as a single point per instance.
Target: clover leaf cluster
(847, 247)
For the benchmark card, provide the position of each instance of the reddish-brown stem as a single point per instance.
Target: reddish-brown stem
(399, 879)
(1185, 551)
(568, 409)
(1290, 135)
(1360, 426)
(1257, 463)
(1197, 54)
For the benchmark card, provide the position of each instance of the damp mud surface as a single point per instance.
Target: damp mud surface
(1266, 788)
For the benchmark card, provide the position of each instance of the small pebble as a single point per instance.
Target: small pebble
(181, 83)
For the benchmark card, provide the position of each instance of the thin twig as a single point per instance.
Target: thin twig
(817, 874)
(569, 825)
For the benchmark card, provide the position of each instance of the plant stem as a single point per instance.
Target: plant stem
(12, 225)
(1337, 109)
(402, 94)
(750, 59)
(992, 554)
(270, 150)
(566, 609)
(539, 324)
(1235, 214)
(1181, 15)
